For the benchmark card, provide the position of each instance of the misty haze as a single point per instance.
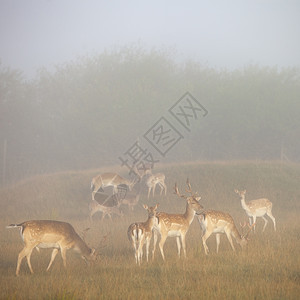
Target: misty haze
(128, 97)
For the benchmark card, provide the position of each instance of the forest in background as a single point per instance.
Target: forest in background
(88, 112)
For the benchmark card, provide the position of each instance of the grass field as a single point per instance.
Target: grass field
(268, 269)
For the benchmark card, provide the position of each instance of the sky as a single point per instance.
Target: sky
(220, 34)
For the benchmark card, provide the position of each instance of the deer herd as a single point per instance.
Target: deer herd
(61, 236)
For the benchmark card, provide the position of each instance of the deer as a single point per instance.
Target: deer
(109, 179)
(257, 208)
(141, 233)
(131, 201)
(50, 234)
(176, 225)
(212, 221)
(154, 179)
(94, 207)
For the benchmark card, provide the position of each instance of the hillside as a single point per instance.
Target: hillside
(66, 195)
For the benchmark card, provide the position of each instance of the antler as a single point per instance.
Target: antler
(177, 191)
(243, 225)
(189, 189)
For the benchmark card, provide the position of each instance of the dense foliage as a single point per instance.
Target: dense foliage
(88, 112)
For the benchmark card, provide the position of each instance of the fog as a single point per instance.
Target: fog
(82, 82)
(222, 34)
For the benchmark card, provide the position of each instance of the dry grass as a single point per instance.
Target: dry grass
(268, 269)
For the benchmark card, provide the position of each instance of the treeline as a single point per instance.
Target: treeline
(88, 112)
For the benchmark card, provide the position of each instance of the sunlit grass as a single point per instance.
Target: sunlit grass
(268, 269)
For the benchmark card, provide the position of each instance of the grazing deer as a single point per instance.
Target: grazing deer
(109, 179)
(94, 207)
(50, 234)
(141, 233)
(257, 208)
(153, 180)
(217, 222)
(176, 225)
(131, 201)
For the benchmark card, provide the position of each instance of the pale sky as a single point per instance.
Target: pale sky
(217, 33)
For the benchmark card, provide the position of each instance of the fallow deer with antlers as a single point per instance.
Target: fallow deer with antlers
(212, 221)
(176, 225)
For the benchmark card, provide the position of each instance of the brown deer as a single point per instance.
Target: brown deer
(176, 225)
(212, 221)
(141, 233)
(257, 208)
(110, 179)
(50, 234)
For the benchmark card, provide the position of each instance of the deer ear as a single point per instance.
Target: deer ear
(145, 206)
(198, 198)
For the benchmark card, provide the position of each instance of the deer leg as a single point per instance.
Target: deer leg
(147, 247)
(161, 245)
(141, 245)
(63, 255)
(178, 245)
(205, 236)
(154, 242)
(183, 245)
(28, 261)
(266, 222)
(161, 188)
(25, 252)
(254, 222)
(53, 255)
(272, 218)
(228, 234)
(153, 190)
(135, 247)
(218, 241)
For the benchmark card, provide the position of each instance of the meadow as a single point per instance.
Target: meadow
(268, 269)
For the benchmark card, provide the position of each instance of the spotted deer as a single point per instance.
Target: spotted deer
(50, 234)
(257, 208)
(176, 225)
(141, 233)
(212, 221)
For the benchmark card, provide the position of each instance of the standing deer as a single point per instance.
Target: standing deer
(109, 179)
(176, 225)
(50, 234)
(141, 233)
(212, 221)
(153, 179)
(257, 208)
